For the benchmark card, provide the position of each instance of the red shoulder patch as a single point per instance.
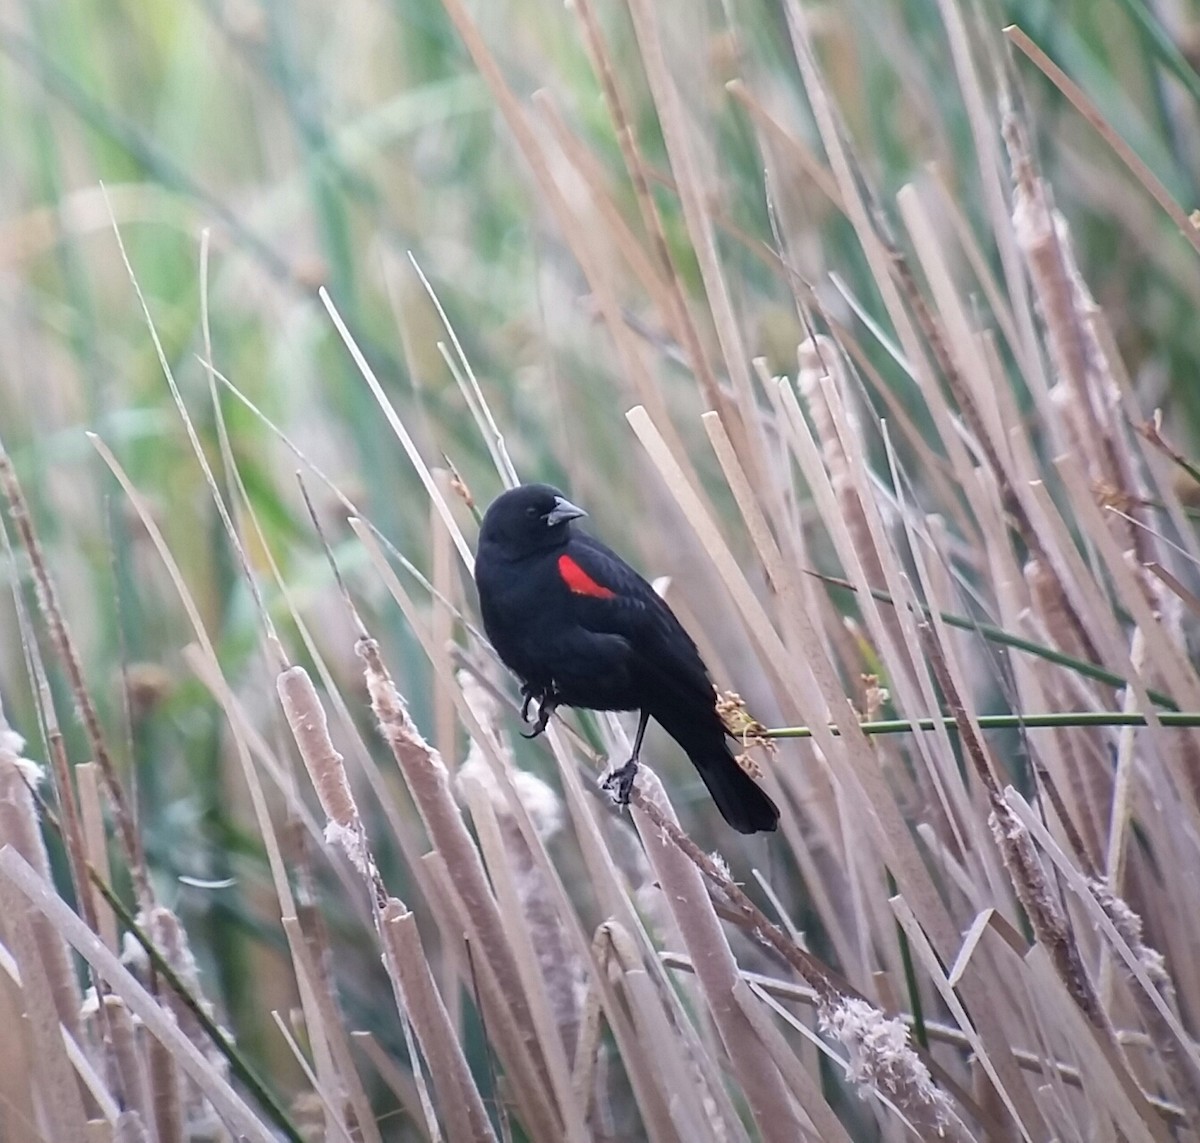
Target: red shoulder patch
(579, 582)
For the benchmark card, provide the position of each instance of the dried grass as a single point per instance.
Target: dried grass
(981, 963)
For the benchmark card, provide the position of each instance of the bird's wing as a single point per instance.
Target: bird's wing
(610, 597)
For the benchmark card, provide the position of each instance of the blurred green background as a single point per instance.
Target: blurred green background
(319, 145)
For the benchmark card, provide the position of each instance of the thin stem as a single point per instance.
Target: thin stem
(998, 635)
(1007, 722)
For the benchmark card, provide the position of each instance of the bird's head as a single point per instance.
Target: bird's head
(527, 519)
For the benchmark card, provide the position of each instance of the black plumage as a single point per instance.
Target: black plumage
(581, 628)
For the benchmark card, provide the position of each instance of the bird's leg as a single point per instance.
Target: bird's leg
(619, 782)
(547, 704)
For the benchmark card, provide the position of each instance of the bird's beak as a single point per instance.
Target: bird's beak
(563, 511)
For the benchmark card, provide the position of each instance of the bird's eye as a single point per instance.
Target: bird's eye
(532, 512)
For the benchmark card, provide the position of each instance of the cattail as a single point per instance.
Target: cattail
(326, 767)
(880, 1058)
(170, 939)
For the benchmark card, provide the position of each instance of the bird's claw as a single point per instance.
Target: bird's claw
(618, 783)
(547, 703)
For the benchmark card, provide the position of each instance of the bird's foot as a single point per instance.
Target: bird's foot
(618, 783)
(547, 704)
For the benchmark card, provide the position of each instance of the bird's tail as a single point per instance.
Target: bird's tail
(742, 802)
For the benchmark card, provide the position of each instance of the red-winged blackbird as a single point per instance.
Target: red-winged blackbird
(580, 627)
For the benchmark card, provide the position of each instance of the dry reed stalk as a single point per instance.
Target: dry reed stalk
(674, 1095)
(984, 1026)
(1085, 389)
(1165, 658)
(1124, 152)
(168, 936)
(620, 877)
(533, 1092)
(1171, 779)
(310, 985)
(675, 310)
(428, 781)
(682, 145)
(409, 968)
(1084, 751)
(339, 1123)
(528, 917)
(960, 360)
(20, 827)
(57, 1090)
(328, 1038)
(441, 634)
(819, 358)
(398, 1081)
(859, 214)
(815, 171)
(324, 1025)
(625, 243)
(18, 1073)
(584, 240)
(939, 779)
(1112, 1088)
(131, 1127)
(329, 1045)
(526, 1085)
(166, 1092)
(128, 1077)
(1020, 330)
(344, 827)
(211, 671)
(1122, 783)
(1183, 1070)
(958, 353)
(402, 434)
(549, 939)
(905, 1077)
(1034, 891)
(684, 891)
(95, 841)
(810, 689)
(1115, 925)
(785, 990)
(914, 692)
(416, 996)
(65, 649)
(826, 1127)
(460, 366)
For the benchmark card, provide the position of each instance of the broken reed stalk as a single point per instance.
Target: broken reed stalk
(126, 1062)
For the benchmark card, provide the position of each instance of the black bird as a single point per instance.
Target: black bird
(581, 628)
